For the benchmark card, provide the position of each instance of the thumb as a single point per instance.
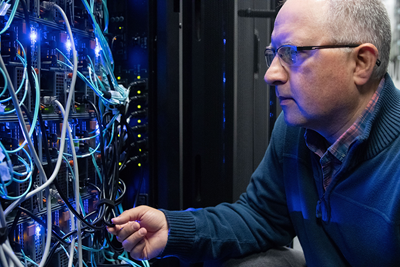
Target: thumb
(126, 216)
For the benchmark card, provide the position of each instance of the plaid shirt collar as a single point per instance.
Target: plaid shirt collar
(339, 149)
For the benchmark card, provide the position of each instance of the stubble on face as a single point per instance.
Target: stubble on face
(319, 94)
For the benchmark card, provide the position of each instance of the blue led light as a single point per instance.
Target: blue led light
(33, 36)
(37, 230)
(98, 48)
(68, 44)
(224, 41)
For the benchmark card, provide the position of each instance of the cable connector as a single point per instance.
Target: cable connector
(4, 8)
(49, 11)
(47, 5)
(54, 193)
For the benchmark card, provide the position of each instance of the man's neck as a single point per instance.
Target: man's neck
(366, 93)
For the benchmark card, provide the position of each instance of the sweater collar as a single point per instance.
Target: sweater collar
(383, 126)
(318, 144)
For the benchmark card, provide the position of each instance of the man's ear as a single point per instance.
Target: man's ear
(366, 56)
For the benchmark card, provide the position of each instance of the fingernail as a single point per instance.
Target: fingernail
(142, 231)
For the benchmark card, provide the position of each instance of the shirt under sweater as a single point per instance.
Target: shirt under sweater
(333, 156)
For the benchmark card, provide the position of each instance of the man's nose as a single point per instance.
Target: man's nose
(276, 74)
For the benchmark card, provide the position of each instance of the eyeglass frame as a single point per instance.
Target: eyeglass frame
(302, 48)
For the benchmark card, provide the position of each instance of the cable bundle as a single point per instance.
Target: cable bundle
(114, 149)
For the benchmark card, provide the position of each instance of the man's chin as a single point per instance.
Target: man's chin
(293, 120)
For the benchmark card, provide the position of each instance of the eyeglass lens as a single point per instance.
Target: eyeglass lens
(286, 53)
(269, 57)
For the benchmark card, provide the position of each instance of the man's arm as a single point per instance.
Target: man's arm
(258, 221)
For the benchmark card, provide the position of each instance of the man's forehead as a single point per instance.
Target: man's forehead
(279, 38)
(295, 34)
(302, 11)
(297, 21)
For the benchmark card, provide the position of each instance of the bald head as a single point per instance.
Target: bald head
(310, 13)
(349, 22)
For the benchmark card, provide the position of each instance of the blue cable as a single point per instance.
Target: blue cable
(35, 113)
(5, 82)
(10, 168)
(11, 18)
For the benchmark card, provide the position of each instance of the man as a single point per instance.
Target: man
(330, 174)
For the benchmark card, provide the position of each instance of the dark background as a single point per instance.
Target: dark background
(210, 113)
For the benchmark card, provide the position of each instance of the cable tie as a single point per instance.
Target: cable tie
(3, 234)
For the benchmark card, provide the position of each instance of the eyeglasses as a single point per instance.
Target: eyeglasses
(288, 53)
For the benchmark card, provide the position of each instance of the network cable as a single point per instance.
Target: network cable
(115, 147)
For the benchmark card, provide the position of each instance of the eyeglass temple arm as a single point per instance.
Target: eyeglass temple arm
(378, 62)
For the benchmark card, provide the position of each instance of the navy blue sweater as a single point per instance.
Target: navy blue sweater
(356, 222)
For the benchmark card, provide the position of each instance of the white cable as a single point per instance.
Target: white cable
(11, 255)
(3, 259)
(23, 126)
(71, 252)
(65, 121)
(30, 144)
(36, 158)
(76, 171)
(49, 228)
(3, 223)
(10, 260)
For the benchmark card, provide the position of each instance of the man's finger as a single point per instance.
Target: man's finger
(138, 251)
(115, 230)
(130, 215)
(126, 216)
(131, 241)
(127, 230)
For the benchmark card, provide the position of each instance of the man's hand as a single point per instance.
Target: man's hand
(143, 232)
